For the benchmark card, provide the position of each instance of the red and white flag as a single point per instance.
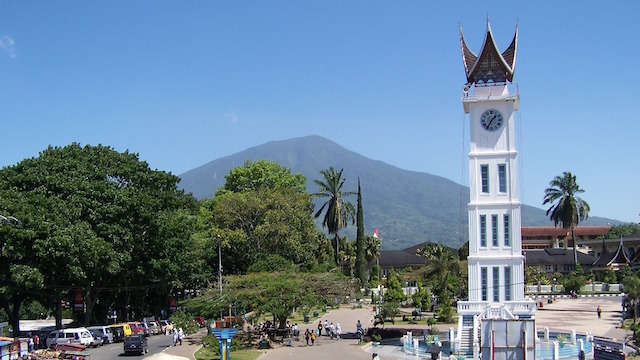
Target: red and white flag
(375, 234)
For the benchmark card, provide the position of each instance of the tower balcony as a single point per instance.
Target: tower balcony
(508, 309)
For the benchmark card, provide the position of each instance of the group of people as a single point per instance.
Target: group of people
(178, 335)
(329, 329)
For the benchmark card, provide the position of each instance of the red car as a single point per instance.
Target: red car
(136, 328)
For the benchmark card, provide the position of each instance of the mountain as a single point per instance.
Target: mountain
(407, 207)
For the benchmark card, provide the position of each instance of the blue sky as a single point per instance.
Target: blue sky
(184, 83)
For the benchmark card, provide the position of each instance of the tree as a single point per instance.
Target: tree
(337, 210)
(442, 270)
(422, 297)
(276, 293)
(631, 286)
(361, 262)
(263, 222)
(104, 222)
(394, 291)
(567, 209)
(262, 173)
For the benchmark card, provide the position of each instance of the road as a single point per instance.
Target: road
(156, 343)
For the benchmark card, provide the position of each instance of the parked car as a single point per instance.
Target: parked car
(154, 328)
(136, 328)
(98, 340)
(120, 331)
(102, 331)
(145, 328)
(80, 336)
(136, 343)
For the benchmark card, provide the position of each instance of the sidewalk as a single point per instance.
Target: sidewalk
(190, 344)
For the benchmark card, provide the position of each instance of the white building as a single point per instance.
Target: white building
(496, 262)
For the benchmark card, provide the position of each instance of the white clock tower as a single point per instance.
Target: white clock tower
(496, 262)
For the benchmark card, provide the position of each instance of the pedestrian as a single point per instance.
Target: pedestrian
(375, 356)
(599, 311)
(319, 327)
(307, 335)
(313, 338)
(451, 356)
(338, 330)
(180, 335)
(36, 341)
(30, 344)
(175, 337)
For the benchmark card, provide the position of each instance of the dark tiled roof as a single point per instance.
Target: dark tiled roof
(555, 256)
(399, 259)
(608, 258)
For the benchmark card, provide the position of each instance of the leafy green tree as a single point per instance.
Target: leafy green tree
(608, 276)
(266, 221)
(631, 286)
(104, 222)
(567, 209)
(272, 263)
(394, 291)
(574, 282)
(276, 293)
(422, 297)
(388, 312)
(337, 210)
(533, 274)
(361, 261)
(445, 307)
(618, 231)
(254, 175)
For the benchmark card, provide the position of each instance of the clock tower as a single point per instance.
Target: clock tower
(496, 263)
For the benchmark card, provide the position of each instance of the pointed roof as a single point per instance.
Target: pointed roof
(608, 258)
(490, 66)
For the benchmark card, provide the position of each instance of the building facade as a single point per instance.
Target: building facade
(496, 262)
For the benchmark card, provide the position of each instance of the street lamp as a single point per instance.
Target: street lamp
(553, 289)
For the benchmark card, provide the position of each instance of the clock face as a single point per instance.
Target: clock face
(491, 120)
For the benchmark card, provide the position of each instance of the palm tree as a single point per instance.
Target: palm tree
(337, 210)
(442, 269)
(566, 209)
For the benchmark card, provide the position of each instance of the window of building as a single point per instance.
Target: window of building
(496, 284)
(507, 283)
(507, 230)
(483, 230)
(502, 178)
(483, 275)
(484, 173)
(494, 230)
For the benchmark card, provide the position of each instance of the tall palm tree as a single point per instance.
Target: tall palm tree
(337, 210)
(567, 209)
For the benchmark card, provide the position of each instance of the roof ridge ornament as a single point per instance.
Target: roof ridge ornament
(490, 67)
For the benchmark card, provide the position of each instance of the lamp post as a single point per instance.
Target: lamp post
(553, 290)
(219, 263)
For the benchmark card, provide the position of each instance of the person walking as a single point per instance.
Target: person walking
(180, 335)
(175, 337)
(319, 327)
(307, 335)
(313, 337)
(599, 311)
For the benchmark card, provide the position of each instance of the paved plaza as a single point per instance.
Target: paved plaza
(564, 314)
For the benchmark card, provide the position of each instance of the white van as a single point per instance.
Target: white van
(70, 336)
(104, 331)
